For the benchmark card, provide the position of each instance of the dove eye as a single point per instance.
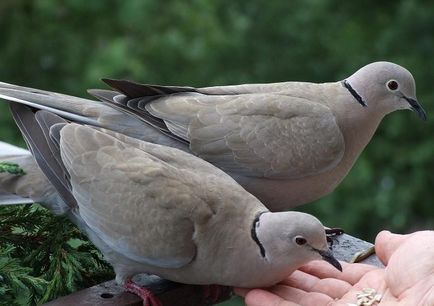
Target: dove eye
(300, 240)
(392, 85)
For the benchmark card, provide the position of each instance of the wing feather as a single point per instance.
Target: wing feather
(262, 130)
(269, 135)
(143, 200)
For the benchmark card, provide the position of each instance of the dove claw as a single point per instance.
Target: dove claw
(147, 296)
(212, 292)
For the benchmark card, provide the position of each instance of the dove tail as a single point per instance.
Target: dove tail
(22, 182)
(69, 107)
(131, 98)
(8, 154)
(39, 130)
(110, 114)
(7, 198)
(10, 182)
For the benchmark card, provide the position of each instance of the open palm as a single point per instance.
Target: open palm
(408, 278)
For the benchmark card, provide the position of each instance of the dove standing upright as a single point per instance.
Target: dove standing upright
(287, 143)
(156, 209)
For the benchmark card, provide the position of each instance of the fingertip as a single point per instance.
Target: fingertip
(386, 244)
(381, 236)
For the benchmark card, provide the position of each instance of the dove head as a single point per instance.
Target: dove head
(384, 87)
(292, 239)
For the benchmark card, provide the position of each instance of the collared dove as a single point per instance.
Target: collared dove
(156, 209)
(287, 143)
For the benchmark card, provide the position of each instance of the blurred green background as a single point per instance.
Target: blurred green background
(68, 45)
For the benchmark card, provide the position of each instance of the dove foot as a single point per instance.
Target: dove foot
(212, 292)
(147, 296)
(331, 234)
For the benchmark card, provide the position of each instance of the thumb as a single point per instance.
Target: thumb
(386, 244)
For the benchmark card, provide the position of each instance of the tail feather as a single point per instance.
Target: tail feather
(8, 153)
(38, 138)
(7, 198)
(136, 90)
(69, 107)
(83, 111)
(29, 188)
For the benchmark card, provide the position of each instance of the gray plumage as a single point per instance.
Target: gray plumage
(155, 209)
(287, 143)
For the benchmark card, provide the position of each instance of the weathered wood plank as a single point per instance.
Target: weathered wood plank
(345, 246)
(169, 293)
(105, 294)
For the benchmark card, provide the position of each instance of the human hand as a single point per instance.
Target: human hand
(408, 278)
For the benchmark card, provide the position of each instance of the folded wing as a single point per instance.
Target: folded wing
(246, 129)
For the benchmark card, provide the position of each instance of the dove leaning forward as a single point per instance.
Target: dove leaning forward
(287, 143)
(156, 209)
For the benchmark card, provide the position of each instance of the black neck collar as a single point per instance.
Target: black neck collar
(354, 93)
(253, 233)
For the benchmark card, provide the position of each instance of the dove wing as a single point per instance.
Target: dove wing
(265, 135)
(138, 204)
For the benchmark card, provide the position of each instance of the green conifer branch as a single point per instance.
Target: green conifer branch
(11, 168)
(16, 282)
(46, 256)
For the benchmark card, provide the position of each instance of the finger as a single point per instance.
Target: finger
(301, 297)
(335, 288)
(386, 243)
(351, 273)
(259, 297)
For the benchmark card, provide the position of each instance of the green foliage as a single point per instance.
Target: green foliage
(11, 168)
(17, 286)
(42, 256)
(69, 45)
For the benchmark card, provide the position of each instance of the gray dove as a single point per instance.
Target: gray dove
(287, 143)
(156, 209)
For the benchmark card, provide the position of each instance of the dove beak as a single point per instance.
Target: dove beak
(328, 256)
(415, 106)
